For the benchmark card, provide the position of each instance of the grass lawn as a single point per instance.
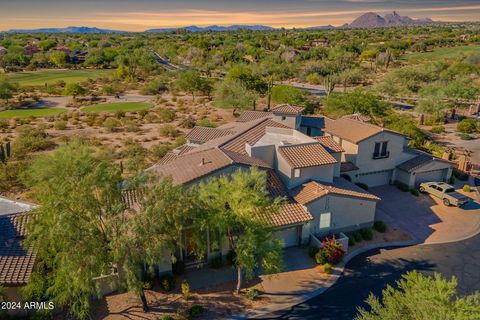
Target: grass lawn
(117, 106)
(39, 78)
(36, 112)
(442, 53)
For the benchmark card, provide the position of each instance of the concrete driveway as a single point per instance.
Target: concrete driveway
(425, 218)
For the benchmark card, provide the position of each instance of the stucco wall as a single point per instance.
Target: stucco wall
(266, 153)
(365, 161)
(348, 213)
(290, 120)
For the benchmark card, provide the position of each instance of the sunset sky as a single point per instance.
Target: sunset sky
(139, 15)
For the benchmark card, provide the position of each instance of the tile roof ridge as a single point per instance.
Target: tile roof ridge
(234, 136)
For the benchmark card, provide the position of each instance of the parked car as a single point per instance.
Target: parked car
(445, 192)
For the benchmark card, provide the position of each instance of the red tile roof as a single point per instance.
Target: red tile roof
(251, 115)
(16, 262)
(352, 130)
(306, 155)
(287, 109)
(329, 144)
(203, 134)
(314, 190)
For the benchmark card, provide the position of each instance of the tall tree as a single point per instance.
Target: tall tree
(238, 206)
(74, 90)
(190, 82)
(421, 297)
(7, 89)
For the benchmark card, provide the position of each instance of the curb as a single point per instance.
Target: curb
(333, 279)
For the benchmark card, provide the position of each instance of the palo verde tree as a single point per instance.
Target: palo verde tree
(154, 230)
(7, 89)
(238, 206)
(80, 214)
(83, 227)
(74, 90)
(421, 297)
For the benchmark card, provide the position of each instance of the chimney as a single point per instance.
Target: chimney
(203, 162)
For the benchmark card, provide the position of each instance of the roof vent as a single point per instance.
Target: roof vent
(285, 143)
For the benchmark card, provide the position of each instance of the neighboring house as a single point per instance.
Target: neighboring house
(305, 169)
(16, 262)
(377, 156)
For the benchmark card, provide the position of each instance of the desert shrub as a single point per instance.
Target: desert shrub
(167, 318)
(30, 139)
(4, 124)
(401, 186)
(332, 250)
(167, 282)
(10, 176)
(167, 130)
(314, 78)
(205, 123)
(252, 294)
(467, 126)
(151, 117)
(60, 125)
(142, 113)
(362, 185)
(357, 236)
(187, 123)
(180, 141)
(178, 268)
(166, 115)
(437, 129)
(155, 86)
(312, 251)
(119, 114)
(414, 192)
(467, 188)
(327, 268)
(185, 290)
(380, 226)
(90, 119)
(217, 262)
(465, 136)
(111, 124)
(158, 151)
(196, 310)
(130, 125)
(366, 233)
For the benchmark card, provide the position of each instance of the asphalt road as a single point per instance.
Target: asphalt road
(372, 271)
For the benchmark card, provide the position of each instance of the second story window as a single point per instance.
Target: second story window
(381, 150)
(296, 173)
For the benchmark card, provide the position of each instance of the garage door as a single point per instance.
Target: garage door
(378, 178)
(288, 236)
(430, 176)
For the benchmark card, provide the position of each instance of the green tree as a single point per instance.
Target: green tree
(288, 94)
(81, 209)
(190, 82)
(232, 94)
(74, 90)
(421, 297)
(7, 89)
(238, 206)
(251, 80)
(357, 101)
(58, 58)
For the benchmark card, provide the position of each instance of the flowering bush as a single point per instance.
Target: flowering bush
(332, 250)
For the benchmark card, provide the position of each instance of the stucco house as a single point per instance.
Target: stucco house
(377, 156)
(302, 164)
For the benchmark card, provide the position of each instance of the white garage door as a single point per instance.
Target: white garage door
(378, 178)
(288, 236)
(430, 176)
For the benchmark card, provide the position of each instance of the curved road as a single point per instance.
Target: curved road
(373, 270)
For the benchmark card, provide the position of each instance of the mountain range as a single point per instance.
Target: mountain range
(367, 20)
(373, 20)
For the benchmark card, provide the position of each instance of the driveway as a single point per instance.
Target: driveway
(425, 218)
(373, 270)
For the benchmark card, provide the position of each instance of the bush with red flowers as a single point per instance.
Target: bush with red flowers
(332, 250)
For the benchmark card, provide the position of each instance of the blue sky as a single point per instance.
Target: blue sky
(144, 14)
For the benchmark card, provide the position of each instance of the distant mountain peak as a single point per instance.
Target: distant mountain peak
(374, 20)
(234, 27)
(70, 29)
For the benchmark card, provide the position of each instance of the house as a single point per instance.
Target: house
(16, 262)
(31, 49)
(302, 165)
(377, 156)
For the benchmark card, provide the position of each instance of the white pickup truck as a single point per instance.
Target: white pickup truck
(445, 192)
